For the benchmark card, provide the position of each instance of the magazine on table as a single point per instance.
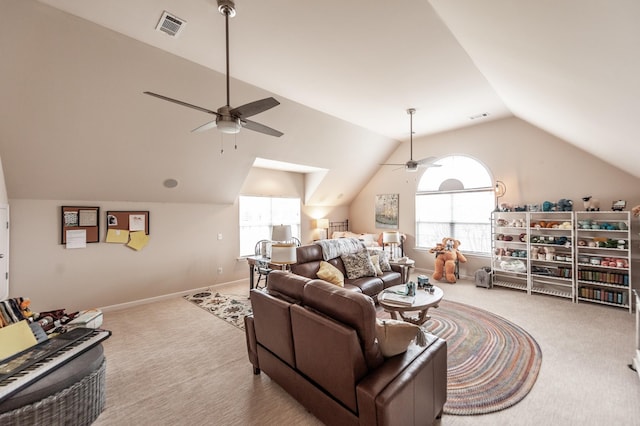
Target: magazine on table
(400, 299)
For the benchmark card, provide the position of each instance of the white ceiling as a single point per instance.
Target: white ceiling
(360, 60)
(569, 67)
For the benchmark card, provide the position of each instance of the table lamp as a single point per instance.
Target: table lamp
(281, 233)
(324, 225)
(393, 239)
(283, 254)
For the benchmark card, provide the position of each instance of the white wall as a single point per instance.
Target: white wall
(534, 165)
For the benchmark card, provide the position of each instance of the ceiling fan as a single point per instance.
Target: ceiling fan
(412, 165)
(228, 119)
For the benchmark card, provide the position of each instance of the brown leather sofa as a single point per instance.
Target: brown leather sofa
(308, 262)
(317, 341)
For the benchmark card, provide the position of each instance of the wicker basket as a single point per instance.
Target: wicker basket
(79, 404)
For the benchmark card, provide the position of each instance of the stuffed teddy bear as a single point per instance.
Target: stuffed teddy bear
(445, 263)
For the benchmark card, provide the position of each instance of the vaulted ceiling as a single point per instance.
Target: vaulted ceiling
(344, 72)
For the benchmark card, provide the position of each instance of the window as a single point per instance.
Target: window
(259, 214)
(455, 200)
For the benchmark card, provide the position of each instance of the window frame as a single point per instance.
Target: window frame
(482, 228)
(295, 224)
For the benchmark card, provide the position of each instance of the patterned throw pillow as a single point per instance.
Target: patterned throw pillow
(375, 259)
(358, 265)
(383, 258)
(330, 273)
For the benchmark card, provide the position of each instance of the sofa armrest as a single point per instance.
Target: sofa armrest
(252, 343)
(407, 389)
(397, 268)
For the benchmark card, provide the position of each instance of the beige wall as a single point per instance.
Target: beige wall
(3, 187)
(534, 165)
(183, 251)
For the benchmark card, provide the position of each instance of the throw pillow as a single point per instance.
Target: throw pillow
(394, 336)
(358, 265)
(383, 258)
(330, 273)
(375, 259)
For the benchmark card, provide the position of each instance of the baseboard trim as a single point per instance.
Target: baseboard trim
(139, 302)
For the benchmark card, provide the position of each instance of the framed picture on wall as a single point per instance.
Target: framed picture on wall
(386, 211)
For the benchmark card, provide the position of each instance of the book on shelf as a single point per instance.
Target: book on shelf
(400, 299)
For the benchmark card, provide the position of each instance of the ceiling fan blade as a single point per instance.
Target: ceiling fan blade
(253, 108)
(427, 160)
(175, 101)
(257, 127)
(205, 126)
(392, 164)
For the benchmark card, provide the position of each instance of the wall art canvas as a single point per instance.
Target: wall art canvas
(387, 211)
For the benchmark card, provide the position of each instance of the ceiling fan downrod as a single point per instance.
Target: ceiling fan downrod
(228, 9)
(411, 111)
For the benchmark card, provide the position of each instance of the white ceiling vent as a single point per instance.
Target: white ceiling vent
(170, 24)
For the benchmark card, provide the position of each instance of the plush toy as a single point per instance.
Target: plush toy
(445, 264)
(25, 308)
(636, 210)
(564, 205)
(591, 204)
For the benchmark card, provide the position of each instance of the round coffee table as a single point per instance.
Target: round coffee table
(423, 301)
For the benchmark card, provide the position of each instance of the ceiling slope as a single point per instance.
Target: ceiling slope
(569, 67)
(75, 125)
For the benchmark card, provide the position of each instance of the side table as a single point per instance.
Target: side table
(405, 268)
(421, 304)
(253, 262)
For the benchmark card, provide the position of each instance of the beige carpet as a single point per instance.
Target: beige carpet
(171, 362)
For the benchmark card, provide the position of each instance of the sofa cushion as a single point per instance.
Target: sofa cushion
(394, 336)
(286, 285)
(272, 324)
(330, 273)
(351, 308)
(358, 265)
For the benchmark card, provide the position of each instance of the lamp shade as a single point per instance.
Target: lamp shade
(322, 223)
(391, 237)
(283, 254)
(281, 233)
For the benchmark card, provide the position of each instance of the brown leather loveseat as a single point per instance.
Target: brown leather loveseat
(317, 341)
(308, 262)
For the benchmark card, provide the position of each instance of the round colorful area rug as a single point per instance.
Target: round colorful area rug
(491, 363)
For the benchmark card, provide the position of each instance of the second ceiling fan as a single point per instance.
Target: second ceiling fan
(412, 165)
(228, 119)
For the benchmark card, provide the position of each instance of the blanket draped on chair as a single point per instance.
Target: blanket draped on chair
(337, 247)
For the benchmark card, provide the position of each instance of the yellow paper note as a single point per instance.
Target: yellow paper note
(138, 240)
(15, 338)
(117, 236)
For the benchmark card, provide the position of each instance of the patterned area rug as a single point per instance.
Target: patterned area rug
(492, 363)
(232, 309)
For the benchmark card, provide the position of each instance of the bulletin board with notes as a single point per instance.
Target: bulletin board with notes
(79, 225)
(128, 227)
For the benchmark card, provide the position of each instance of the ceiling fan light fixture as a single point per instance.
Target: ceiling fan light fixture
(228, 125)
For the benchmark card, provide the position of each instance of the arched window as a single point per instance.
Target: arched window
(455, 200)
